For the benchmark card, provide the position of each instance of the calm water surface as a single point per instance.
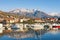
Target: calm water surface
(50, 35)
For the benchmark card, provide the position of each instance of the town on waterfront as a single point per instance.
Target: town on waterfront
(9, 23)
(22, 27)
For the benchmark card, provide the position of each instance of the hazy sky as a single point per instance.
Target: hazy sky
(43, 5)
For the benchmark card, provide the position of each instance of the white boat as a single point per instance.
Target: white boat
(36, 26)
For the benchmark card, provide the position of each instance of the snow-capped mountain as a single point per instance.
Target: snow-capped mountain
(21, 11)
(41, 14)
(56, 15)
(30, 13)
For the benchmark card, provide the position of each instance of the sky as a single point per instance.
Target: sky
(43, 5)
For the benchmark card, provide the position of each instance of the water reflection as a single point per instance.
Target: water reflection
(25, 34)
(54, 32)
(30, 35)
(20, 35)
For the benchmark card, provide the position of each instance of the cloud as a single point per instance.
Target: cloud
(54, 14)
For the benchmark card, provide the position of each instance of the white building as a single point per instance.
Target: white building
(1, 28)
(24, 19)
(21, 20)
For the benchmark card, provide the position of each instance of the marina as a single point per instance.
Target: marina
(22, 31)
(20, 27)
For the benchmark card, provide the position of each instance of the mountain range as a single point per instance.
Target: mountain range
(32, 13)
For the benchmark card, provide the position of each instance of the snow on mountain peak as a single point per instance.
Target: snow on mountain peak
(22, 10)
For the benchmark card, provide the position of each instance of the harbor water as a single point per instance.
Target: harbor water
(31, 34)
